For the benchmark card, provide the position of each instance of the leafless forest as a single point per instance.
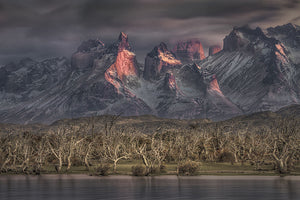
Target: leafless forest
(97, 149)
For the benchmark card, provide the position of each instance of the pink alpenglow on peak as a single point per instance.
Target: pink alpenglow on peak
(214, 49)
(123, 42)
(158, 61)
(189, 50)
(165, 56)
(125, 65)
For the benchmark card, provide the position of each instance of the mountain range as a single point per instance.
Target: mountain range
(255, 71)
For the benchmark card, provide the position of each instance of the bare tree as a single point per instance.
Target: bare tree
(116, 147)
(56, 142)
(258, 151)
(284, 144)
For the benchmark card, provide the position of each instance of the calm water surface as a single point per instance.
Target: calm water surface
(164, 187)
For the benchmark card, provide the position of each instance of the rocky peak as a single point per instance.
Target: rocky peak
(158, 50)
(87, 52)
(91, 45)
(289, 34)
(125, 69)
(158, 61)
(214, 49)
(119, 45)
(189, 50)
(27, 62)
(284, 29)
(123, 42)
(244, 38)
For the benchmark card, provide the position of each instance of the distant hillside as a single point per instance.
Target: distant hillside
(149, 124)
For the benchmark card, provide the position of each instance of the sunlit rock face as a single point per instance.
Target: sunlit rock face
(214, 49)
(123, 42)
(159, 61)
(289, 36)
(188, 51)
(214, 85)
(125, 69)
(218, 102)
(170, 83)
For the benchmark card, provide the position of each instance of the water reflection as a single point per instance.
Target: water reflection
(164, 187)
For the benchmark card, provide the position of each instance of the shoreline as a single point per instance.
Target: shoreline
(170, 176)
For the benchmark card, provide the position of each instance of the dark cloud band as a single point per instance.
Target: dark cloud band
(55, 27)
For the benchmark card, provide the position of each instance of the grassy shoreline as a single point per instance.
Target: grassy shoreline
(205, 168)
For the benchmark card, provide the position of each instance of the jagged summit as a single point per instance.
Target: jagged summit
(162, 47)
(125, 68)
(91, 45)
(288, 34)
(285, 29)
(159, 49)
(123, 42)
(158, 61)
(123, 36)
(120, 44)
(255, 71)
(188, 51)
(247, 39)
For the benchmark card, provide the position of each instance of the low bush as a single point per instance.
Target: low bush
(102, 170)
(163, 169)
(226, 157)
(138, 170)
(188, 168)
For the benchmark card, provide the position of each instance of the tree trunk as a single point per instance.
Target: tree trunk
(281, 166)
(144, 158)
(60, 164)
(235, 158)
(115, 166)
(69, 162)
(86, 162)
(4, 164)
(86, 158)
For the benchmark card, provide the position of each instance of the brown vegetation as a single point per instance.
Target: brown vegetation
(81, 144)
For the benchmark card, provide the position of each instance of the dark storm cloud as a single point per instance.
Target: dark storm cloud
(43, 29)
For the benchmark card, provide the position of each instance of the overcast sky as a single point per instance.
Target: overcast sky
(48, 28)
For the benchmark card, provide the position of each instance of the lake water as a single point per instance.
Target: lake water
(163, 187)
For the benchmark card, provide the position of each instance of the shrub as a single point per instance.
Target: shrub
(188, 168)
(154, 170)
(77, 162)
(102, 170)
(138, 170)
(163, 169)
(226, 157)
